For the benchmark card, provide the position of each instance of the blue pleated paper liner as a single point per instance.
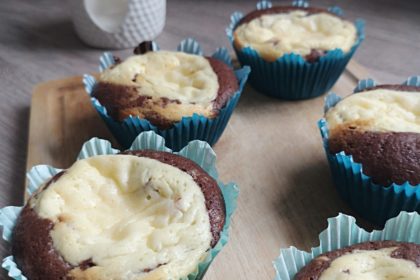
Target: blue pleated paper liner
(196, 127)
(198, 151)
(342, 231)
(371, 201)
(290, 76)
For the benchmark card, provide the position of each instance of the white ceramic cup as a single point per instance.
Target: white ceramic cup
(117, 24)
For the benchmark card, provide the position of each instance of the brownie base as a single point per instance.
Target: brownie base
(118, 98)
(33, 248)
(404, 250)
(32, 245)
(387, 157)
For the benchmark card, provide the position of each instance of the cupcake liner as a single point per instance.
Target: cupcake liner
(342, 231)
(290, 76)
(198, 151)
(196, 127)
(371, 201)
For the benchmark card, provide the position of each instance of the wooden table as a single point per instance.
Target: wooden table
(37, 43)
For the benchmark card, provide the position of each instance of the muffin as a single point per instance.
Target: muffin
(368, 260)
(180, 95)
(372, 141)
(164, 86)
(380, 128)
(308, 32)
(347, 251)
(137, 215)
(294, 52)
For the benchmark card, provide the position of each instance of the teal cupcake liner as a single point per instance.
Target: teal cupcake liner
(196, 127)
(371, 201)
(198, 151)
(290, 76)
(341, 232)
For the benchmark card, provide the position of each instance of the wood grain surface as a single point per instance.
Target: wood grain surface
(272, 149)
(38, 43)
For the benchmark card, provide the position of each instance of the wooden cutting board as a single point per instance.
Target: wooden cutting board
(272, 149)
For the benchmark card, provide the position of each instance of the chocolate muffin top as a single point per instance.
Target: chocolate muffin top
(164, 86)
(309, 32)
(377, 260)
(380, 128)
(140, 215)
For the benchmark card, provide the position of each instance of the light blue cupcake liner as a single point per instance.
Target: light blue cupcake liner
(196, 127)
(371, 201)
(290, 76)
(198, 151)
(341, 232)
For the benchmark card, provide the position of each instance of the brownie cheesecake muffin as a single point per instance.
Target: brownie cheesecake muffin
(309, 32)
(380, 128)
(137, 215)
(164, 86)
(377, 260)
